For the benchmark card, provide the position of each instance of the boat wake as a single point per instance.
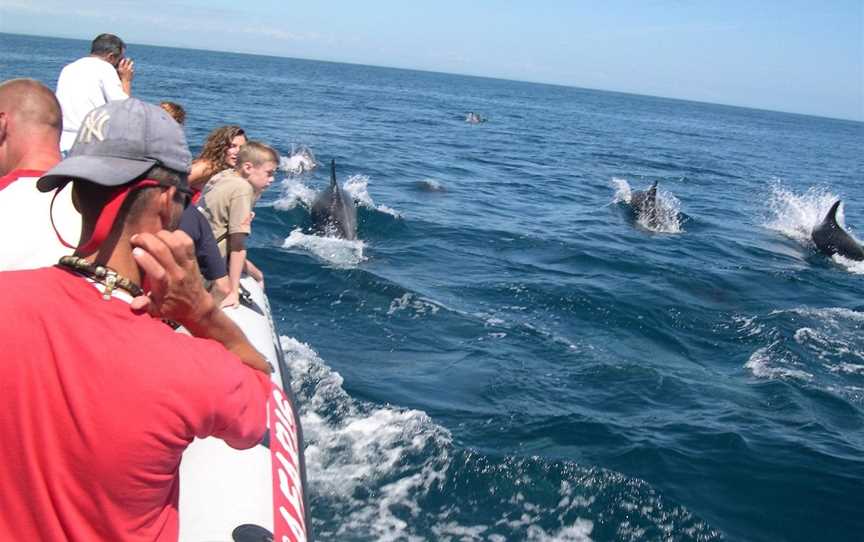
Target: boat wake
(822, 348)
(387, 473)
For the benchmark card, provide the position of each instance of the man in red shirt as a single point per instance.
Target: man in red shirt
(98, 397)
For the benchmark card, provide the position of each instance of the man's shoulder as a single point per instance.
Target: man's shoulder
(29, 283)
(19, 175)
(85, 65)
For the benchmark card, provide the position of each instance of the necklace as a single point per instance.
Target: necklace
(103, 275)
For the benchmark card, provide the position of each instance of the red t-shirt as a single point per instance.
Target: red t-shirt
(97, 405)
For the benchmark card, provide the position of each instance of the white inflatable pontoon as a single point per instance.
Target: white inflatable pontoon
(255, 495)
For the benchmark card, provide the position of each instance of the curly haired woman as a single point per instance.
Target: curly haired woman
(219, 153)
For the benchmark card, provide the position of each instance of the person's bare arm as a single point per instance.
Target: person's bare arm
(236, 265)
(198, 176)
(176, 292)
(253, 271)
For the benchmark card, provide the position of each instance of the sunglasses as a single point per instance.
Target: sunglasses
(185, 192)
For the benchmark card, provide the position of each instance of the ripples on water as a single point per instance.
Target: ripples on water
(504, 354)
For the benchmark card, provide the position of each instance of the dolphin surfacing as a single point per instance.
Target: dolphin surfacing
(644, 203)
(333, 211)
(831, 239)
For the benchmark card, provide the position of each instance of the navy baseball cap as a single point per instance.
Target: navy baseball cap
(118, 142)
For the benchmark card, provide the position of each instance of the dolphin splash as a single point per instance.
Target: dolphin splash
(333, 211)
(644, 204)
(831, 239)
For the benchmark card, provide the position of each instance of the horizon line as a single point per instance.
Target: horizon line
(496, 78)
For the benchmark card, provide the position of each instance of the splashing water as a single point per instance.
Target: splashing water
(431, 185)
(299, 161)
(417, 305)
(357, 186)
(335, 251)
(796, 215)
(294, 192)
(667, 218)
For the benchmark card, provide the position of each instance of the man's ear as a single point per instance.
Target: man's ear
(246, 168)
(166, 206)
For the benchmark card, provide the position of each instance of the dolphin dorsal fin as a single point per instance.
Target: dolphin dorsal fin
(652, 192)
(831, 217)
(333, 183)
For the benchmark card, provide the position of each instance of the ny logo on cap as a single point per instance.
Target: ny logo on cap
(93, 126)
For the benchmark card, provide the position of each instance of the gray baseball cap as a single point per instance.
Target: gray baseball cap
(118, 142)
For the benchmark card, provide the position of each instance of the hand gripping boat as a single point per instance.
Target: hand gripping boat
(255, 495)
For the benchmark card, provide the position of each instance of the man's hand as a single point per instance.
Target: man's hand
(171, 278)
(126, 69)
(176, 291)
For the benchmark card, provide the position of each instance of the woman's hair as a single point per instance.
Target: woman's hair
(175, 110)
(217, 143)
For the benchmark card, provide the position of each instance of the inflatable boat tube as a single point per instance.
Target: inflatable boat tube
(254, 495)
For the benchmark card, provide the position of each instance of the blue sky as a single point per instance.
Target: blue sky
(799, 56)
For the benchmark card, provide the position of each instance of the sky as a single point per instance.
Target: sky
(796, 56)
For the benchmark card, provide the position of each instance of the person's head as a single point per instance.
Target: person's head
(109, 48)
(129, 165)
(257, 163)
(175, 110)
(221, 148)
(30, 124)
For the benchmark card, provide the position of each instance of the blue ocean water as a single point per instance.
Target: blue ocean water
(506, 354)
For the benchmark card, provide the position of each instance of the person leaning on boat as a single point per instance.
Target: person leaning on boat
(227, 202)
(98, 397)
(211, 263)
(94, 80)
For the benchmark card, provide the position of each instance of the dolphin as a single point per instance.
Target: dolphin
(300, 161)
(333, 211)
(474, 118)
(830, 238)
(644, 203)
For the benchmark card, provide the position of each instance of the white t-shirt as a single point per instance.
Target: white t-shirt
(29, 240)
(84, 84)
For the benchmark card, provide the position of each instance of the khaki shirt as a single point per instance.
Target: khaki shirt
(227, 202)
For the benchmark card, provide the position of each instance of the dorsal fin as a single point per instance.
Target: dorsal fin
(652, 192)
(333, 183)
(831, 217)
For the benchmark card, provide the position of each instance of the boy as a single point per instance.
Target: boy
(227, 202)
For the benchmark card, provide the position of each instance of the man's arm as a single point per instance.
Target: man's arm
(167, 261)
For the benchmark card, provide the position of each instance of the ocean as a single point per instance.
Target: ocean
(506, 353)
